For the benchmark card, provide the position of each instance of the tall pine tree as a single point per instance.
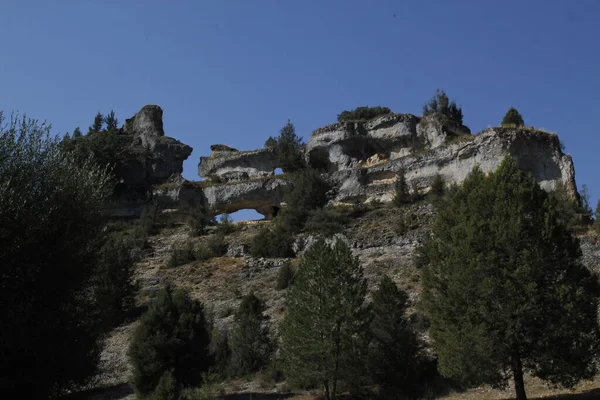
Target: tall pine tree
(394, 351)
(325, 329)
(505, 290)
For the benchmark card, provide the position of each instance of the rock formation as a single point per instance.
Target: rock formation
(363, 159)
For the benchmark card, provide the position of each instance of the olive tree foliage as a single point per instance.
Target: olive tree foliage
(50, 231)
(325, 330)
(504, 289)
(440, 104)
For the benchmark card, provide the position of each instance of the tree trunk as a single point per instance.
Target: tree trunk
(326, 387)
(517, 369)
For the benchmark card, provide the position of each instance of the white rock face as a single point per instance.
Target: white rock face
(535, 152)
(232, 165)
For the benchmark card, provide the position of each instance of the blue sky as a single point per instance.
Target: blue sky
(233, 72)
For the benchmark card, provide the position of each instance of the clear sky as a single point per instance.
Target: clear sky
(233, 72)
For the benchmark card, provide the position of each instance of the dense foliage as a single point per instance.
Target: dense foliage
(362, 113)
(505, 290)
(169, 348)
(394, 351)
(440, 104)
(273, 242)
(512, 119)
(288, 148)
(250, 345)
(324, 333)
(309, 190)
(50, 233)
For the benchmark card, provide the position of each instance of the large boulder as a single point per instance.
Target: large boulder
(226, 164)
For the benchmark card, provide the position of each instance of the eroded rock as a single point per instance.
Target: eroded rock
(226, 164)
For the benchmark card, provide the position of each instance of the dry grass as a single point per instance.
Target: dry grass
(536, 390)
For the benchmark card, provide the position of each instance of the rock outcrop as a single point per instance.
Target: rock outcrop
(226, 164)
(534, 151)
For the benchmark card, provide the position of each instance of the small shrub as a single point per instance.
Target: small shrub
(215, 247)
(274, 243)
(200, 219)
(440, 104)
(285, 276)
(438, 186)
(167, 388)
(220, 351)
(225, 225)
(181, 253)
(399, 225)
(362, 113)
(208, 391)
(401, 193)
(326, 222)
(512, 119)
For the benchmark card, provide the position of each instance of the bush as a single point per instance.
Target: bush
(362, 113)
(171, 338)
(308, 191)
(167, 388)
(225, 226)
(512, 119)
(438, 186)
(250, 344)
(201, 217)
(215, 247)
(220, 351)
(114, 280)
(272, 243)
(440, 104)
(401, 192)
(285, 276)
(181, 253)
(326, 222)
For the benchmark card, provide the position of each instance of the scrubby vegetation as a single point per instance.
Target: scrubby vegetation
(512, 119)
(362, 113)
(441, 105)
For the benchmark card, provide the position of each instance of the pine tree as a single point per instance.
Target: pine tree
(289, 148)
(98, 123)
(505, 290)
(597, 220)
(112, 123)
(325, 330)
(441, 104)
(512, 119)
(170, 338)
(438, 186)
(77, 133)
(394, 351)
(401, 192)
(250, 344)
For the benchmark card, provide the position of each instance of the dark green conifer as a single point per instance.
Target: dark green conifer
(512, 119)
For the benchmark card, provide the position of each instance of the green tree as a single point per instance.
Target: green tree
(288, 148)
(308, 191)
(250, 344)
(111, 121)
(512, 119)
(273, 242)
(171, 338)
(77, 133)
(98, 123)
(324, 333)
(505, 290)
(438, 186)
(362, 113)
(394, 351)
(51, 222)
(440, 104)
(401, 193)
(115, 289)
